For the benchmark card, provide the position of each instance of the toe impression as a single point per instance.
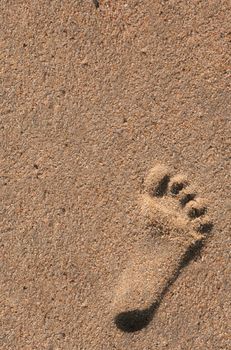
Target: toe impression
(156, 182)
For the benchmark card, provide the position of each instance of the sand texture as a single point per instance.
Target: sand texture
(115, 175)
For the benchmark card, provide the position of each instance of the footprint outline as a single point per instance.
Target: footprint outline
(168, 203)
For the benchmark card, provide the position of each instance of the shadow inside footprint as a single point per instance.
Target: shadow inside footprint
(161, 189)
(133, 321)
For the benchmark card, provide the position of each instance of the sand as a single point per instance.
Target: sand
(91, 99)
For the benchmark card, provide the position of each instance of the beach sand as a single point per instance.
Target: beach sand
(92, 98)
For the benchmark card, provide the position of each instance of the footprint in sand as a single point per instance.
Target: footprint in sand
(178, 225)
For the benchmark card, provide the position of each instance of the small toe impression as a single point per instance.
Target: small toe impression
(205, 227)
(177, 184)
(187, 195)
(156, 182)
(196, 208)
(133, 321)
(203, 224)
(196, 212)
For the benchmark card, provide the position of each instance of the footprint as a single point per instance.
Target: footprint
(178, 224)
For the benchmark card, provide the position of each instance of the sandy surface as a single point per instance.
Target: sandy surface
(90, 100)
